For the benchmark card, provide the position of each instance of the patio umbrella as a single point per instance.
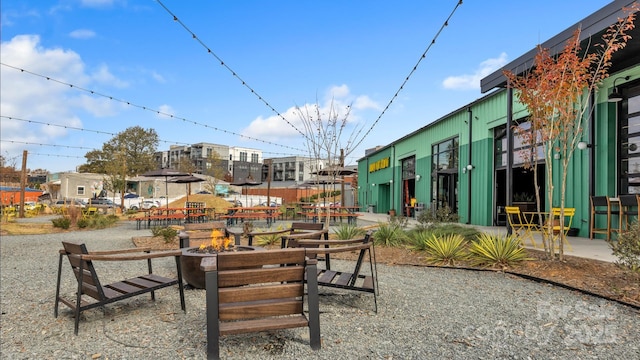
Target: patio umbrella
(186, 180)
(245, 183)
(165, 173)
(335, 170)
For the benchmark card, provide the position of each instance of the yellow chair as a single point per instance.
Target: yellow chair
(562, 224)
(519, 224)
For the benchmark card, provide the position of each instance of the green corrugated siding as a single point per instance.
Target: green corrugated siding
(488, 113)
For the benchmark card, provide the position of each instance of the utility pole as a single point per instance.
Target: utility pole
(342, 178)
(269, 162)
(23, 183)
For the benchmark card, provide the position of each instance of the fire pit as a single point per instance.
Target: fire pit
(190, 262)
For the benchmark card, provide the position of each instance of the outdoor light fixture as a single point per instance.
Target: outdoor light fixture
(583, 145)
(373, 184)
(616, 96)
(418, 177)
(391, 181)
(470, 167)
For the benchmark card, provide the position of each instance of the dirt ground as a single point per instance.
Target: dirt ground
(598, 277)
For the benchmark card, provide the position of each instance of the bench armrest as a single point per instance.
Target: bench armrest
(129, 255)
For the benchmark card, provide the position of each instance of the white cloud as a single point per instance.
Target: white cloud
(157, 77)
(35, 98)
(82, 34)
(97, 3)
(165, 109)
(103, 75)
(275, 128)
(472, 81)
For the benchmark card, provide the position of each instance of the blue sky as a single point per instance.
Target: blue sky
(291, 53)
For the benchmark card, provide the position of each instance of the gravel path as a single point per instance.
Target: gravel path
(423, 313)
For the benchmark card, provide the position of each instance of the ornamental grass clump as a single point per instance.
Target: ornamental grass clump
(389, 234)
(496, 250)
(167, 233)
(347, 231)
(270, 239)
(443, 250)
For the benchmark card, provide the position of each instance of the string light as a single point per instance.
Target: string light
(233, 73)
(142, 107)
(415, 67)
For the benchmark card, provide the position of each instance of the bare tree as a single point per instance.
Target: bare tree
(324, 129)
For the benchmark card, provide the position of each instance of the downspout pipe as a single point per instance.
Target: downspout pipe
(471, 163)
(592, 141)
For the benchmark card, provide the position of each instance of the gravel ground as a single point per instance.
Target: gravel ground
(423, 313)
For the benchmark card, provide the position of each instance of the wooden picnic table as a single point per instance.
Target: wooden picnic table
(315, 213)
(267, 213)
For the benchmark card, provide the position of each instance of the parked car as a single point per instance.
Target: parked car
(69, 202)
(149, 204)
(103, 204)
(273, 204)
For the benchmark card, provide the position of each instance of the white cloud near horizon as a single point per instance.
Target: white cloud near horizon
(274, 128)
(472, 81)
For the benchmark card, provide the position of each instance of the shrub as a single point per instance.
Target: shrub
(347, 231)
(441, 230)
(443, 250)
(389, 234)
(627, 248)
(441, 215)
(497, 250)
(82, 223)
(270, 239)
(62, 222)
(168, 233)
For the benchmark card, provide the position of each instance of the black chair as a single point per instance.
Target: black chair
(601, 205)
(628, 207)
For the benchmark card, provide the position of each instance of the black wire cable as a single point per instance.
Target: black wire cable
(112, 98)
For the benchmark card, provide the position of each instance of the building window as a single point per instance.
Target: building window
(243, 156)
(80, 190)
(444, 174)
(522, 152)
(629, 142)
(254, 158)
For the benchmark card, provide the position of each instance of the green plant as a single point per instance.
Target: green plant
(389, 234)
(168, 233)
(348, 231)
(496, 250)
(270, 239)
(627, 248)
(82, 223)
(440, 230)
(443, 214)
(62, 222)
(443, 250)
(523, 197)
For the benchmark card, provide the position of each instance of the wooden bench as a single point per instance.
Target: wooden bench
(296, 228)
(354, 280)
(254, 291)
(89, 285)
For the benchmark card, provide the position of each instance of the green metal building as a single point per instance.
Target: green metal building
(469, 159)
